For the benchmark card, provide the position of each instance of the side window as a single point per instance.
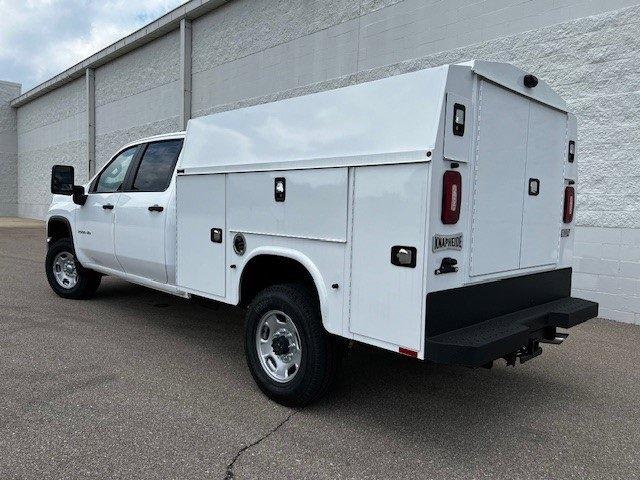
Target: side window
(112, 177)
(156, 167)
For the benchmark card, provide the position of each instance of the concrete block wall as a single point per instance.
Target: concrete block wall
(607, 270)
(248, 49)
(137, 95)
(416, 28)
(8, 150)
(51, 130)
(253, 51)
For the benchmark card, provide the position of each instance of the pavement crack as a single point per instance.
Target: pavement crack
(229, 474)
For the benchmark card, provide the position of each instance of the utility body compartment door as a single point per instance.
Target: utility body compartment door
(499, 180)
(201, 262)
(389, 210)
(518, 180)
(546, 155)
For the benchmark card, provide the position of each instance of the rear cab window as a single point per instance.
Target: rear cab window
(156, 166)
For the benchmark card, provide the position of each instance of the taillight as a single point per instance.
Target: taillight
(451, 197)
(569, 204)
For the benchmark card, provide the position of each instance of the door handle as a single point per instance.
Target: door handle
(156, 208)
(107, 206)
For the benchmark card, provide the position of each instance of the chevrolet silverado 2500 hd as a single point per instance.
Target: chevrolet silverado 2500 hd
(430, 214)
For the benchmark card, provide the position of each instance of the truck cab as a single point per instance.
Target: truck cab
(122, 225)
(429, 214)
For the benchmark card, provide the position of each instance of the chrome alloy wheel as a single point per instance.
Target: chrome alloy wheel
(64, 270)
(278, 346)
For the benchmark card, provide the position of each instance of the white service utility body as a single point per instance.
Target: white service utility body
(431, 213)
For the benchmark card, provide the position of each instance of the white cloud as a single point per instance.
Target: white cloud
(41, 38)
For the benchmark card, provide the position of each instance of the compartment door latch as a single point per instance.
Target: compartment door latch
(280, 189)
(404, 256)
(216, 235)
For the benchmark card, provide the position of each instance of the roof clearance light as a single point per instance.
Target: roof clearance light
(530, 81)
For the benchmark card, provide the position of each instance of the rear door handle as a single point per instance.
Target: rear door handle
(107, 206)
(156, 208)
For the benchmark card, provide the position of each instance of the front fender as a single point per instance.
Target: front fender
(63, 208)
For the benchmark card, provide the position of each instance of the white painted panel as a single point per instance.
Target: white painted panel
(95, 226)
(139, 234)
(571, 169)
(325, 262)
(315, 204)
(511, 77)
(391, 115)
(546, 155)
(200, 207)
(457, 147)
(499, 180)
(389, 209)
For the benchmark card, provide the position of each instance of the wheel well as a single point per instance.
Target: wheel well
(262, 271)
(58, 228)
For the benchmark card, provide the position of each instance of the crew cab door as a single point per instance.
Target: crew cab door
(93, 237)
(141, 213)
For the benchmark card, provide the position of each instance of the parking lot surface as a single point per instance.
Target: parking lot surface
(138, 384)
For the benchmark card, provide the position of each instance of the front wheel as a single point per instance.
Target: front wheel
(290, 356)
(66, 276)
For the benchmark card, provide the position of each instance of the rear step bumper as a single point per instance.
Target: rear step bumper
(514, 334)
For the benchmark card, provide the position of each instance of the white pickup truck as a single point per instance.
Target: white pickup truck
(429, 213)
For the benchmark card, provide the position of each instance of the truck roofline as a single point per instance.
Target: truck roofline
(511, 77)
(154, 138)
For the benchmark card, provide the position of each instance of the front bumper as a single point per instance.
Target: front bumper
(477, 324)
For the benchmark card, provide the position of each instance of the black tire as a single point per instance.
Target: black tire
(88, 281)
(319, 358)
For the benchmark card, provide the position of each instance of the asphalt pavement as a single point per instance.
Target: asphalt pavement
(139, 384)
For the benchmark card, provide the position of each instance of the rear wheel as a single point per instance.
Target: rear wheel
(66, 276)
(291, 358)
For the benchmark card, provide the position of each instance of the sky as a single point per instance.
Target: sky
(41, 38)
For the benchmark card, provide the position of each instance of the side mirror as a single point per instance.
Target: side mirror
(79, 197)
(62, 178)
(62, 183)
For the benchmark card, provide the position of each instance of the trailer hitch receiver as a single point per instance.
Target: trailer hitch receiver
(526, 353)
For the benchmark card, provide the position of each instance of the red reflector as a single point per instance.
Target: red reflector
(451, 197)
(569, 204)
(407, 352)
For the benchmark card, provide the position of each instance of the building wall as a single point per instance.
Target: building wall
(137, 95)
(590, 58)
(8, 150)
(249, 48)
(253, 51)
(51, 130)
